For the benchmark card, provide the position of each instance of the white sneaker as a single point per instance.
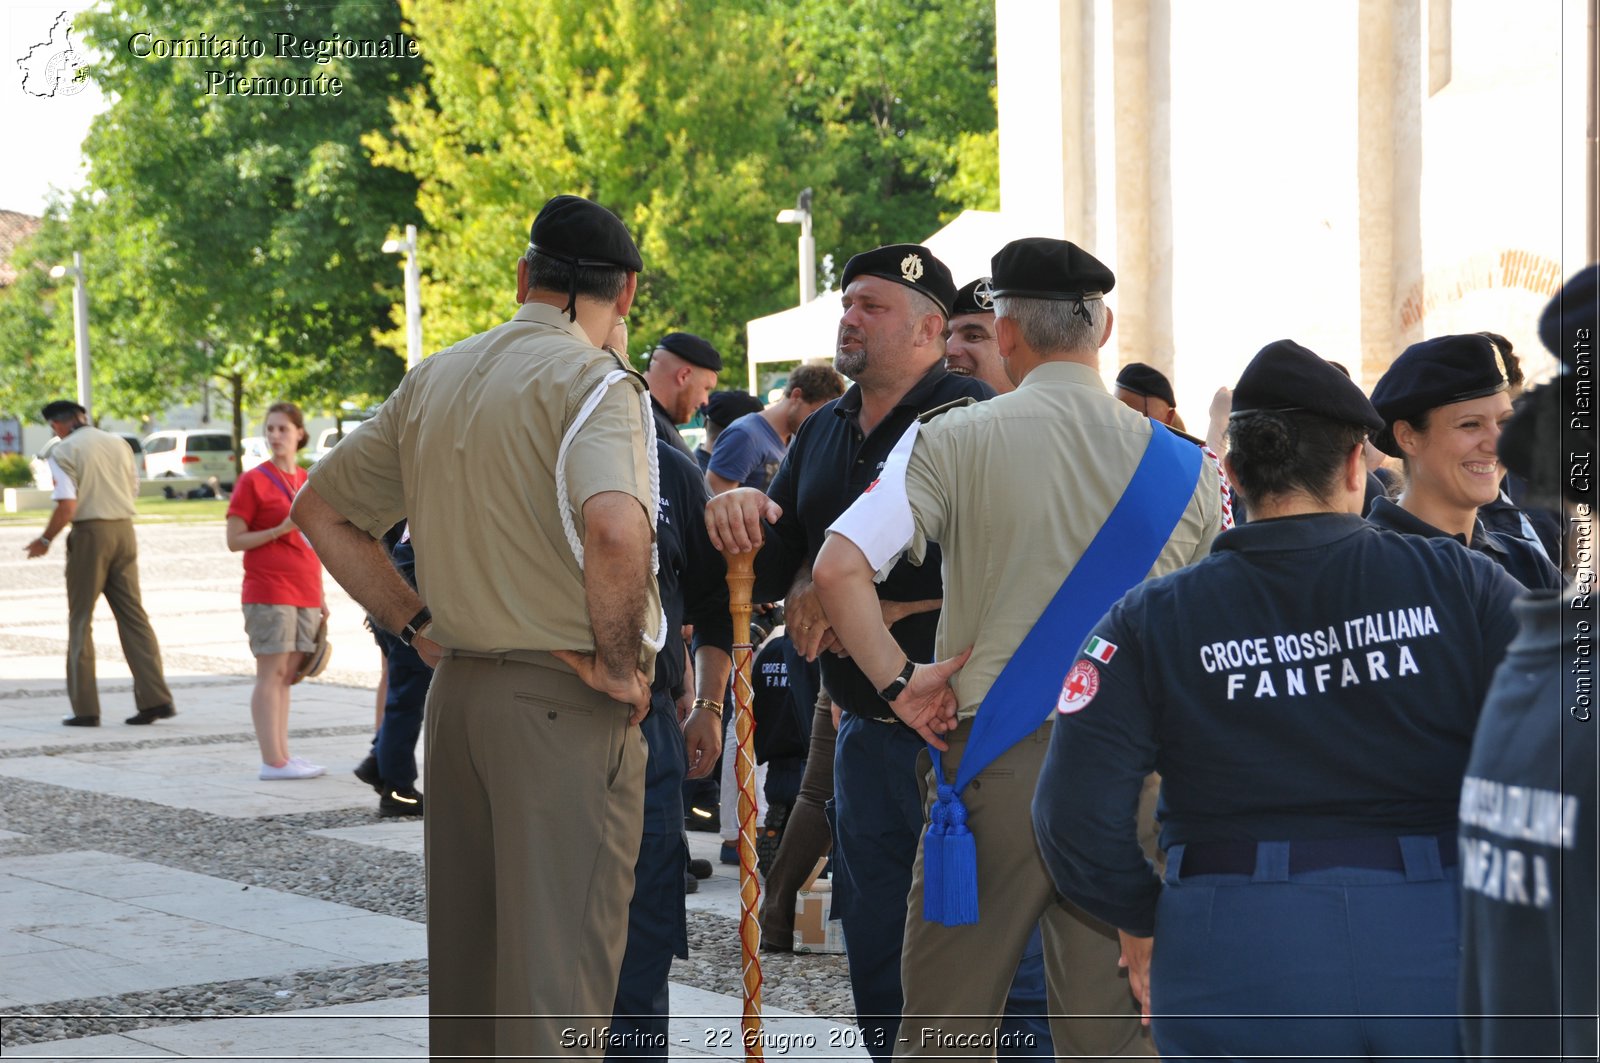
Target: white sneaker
(292, 770)
(307, 764)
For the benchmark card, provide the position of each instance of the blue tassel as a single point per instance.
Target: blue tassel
(960, 876)
(933, 860)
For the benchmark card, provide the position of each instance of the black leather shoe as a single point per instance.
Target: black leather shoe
(367, 772)
(80, 721)
(398, 801)
(151, 715)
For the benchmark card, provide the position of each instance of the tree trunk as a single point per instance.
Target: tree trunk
(237, 380)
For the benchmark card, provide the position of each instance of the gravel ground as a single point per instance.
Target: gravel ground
(280, 852)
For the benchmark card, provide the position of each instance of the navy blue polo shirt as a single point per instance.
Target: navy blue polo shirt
(1315, 677)
(829, 464)
(1517, 556)
(693, 575)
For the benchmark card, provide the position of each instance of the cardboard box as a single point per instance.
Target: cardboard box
(814, 932)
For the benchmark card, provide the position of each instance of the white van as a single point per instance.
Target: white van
(201, 453)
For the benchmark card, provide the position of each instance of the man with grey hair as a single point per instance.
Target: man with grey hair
(1016, 491)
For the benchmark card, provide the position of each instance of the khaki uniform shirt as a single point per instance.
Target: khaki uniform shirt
(1013, 490)
(466, 449)
(100, 466)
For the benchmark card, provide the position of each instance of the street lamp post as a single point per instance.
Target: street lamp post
(80, 306)
(801, 215)
(413, 294)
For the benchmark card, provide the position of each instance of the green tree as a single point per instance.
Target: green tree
(696, 122)
(36, 324)
(236, 238)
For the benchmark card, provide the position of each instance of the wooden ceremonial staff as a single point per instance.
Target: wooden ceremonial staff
(741, 581)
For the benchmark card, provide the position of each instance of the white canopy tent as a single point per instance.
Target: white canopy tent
(810, 331)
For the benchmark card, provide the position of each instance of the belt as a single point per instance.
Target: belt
(891, 718)
(1376, 854)
(537, 658)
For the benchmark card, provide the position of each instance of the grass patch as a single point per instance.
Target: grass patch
(146, 511)
(180, 510)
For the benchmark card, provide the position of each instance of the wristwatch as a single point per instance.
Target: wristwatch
(43, 539)
(899, 682)
(414, 627)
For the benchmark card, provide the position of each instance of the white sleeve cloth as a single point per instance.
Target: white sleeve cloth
(65, 489)
(880, 522)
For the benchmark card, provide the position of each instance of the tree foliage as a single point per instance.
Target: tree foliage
(236, 238)
(696, 122)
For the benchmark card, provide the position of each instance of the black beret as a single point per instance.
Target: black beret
(910, 264)
(1146, 380)
(60, 410)
(974, 297)
(692, 349)
(1041, 268)
(1576, 306)
(1435, 373)
(580, 232)
(725, 407)
(1286, 376)
(1541, 431)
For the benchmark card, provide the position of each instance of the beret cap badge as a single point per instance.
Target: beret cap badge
(911, 267)
(983, 293)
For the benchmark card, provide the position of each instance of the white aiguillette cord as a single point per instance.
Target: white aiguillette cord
(564, 503)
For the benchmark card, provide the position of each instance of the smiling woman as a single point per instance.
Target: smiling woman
(1443, 402)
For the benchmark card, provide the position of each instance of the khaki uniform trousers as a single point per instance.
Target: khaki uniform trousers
(103, 558)
(534, 815)
(956, 978)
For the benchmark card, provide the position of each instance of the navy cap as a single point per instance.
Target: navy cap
(1146, 380)
(60, 410)
(974, 297)
(1284, 376)
(725, 407)
(910, 264)
(580, 232)
(1041, 268)
(1435, 373)
(692, 349)
(1576, 306)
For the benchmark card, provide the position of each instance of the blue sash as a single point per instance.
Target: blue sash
(1123, 551)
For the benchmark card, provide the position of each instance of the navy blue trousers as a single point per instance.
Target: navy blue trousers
(395, 745)
(657, 925)
(877, 818)
(1340, 963)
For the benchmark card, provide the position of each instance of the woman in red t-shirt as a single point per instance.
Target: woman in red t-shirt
(283, 603)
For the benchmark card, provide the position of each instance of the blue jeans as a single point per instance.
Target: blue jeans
(878, 821)
(657, 925)
(396, 743)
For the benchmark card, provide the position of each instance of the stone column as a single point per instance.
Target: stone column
(1142, 81)
(1388, 172)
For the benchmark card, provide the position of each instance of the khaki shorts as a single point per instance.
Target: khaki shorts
(280, 628)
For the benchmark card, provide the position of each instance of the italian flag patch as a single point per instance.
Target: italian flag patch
(1100, 650)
